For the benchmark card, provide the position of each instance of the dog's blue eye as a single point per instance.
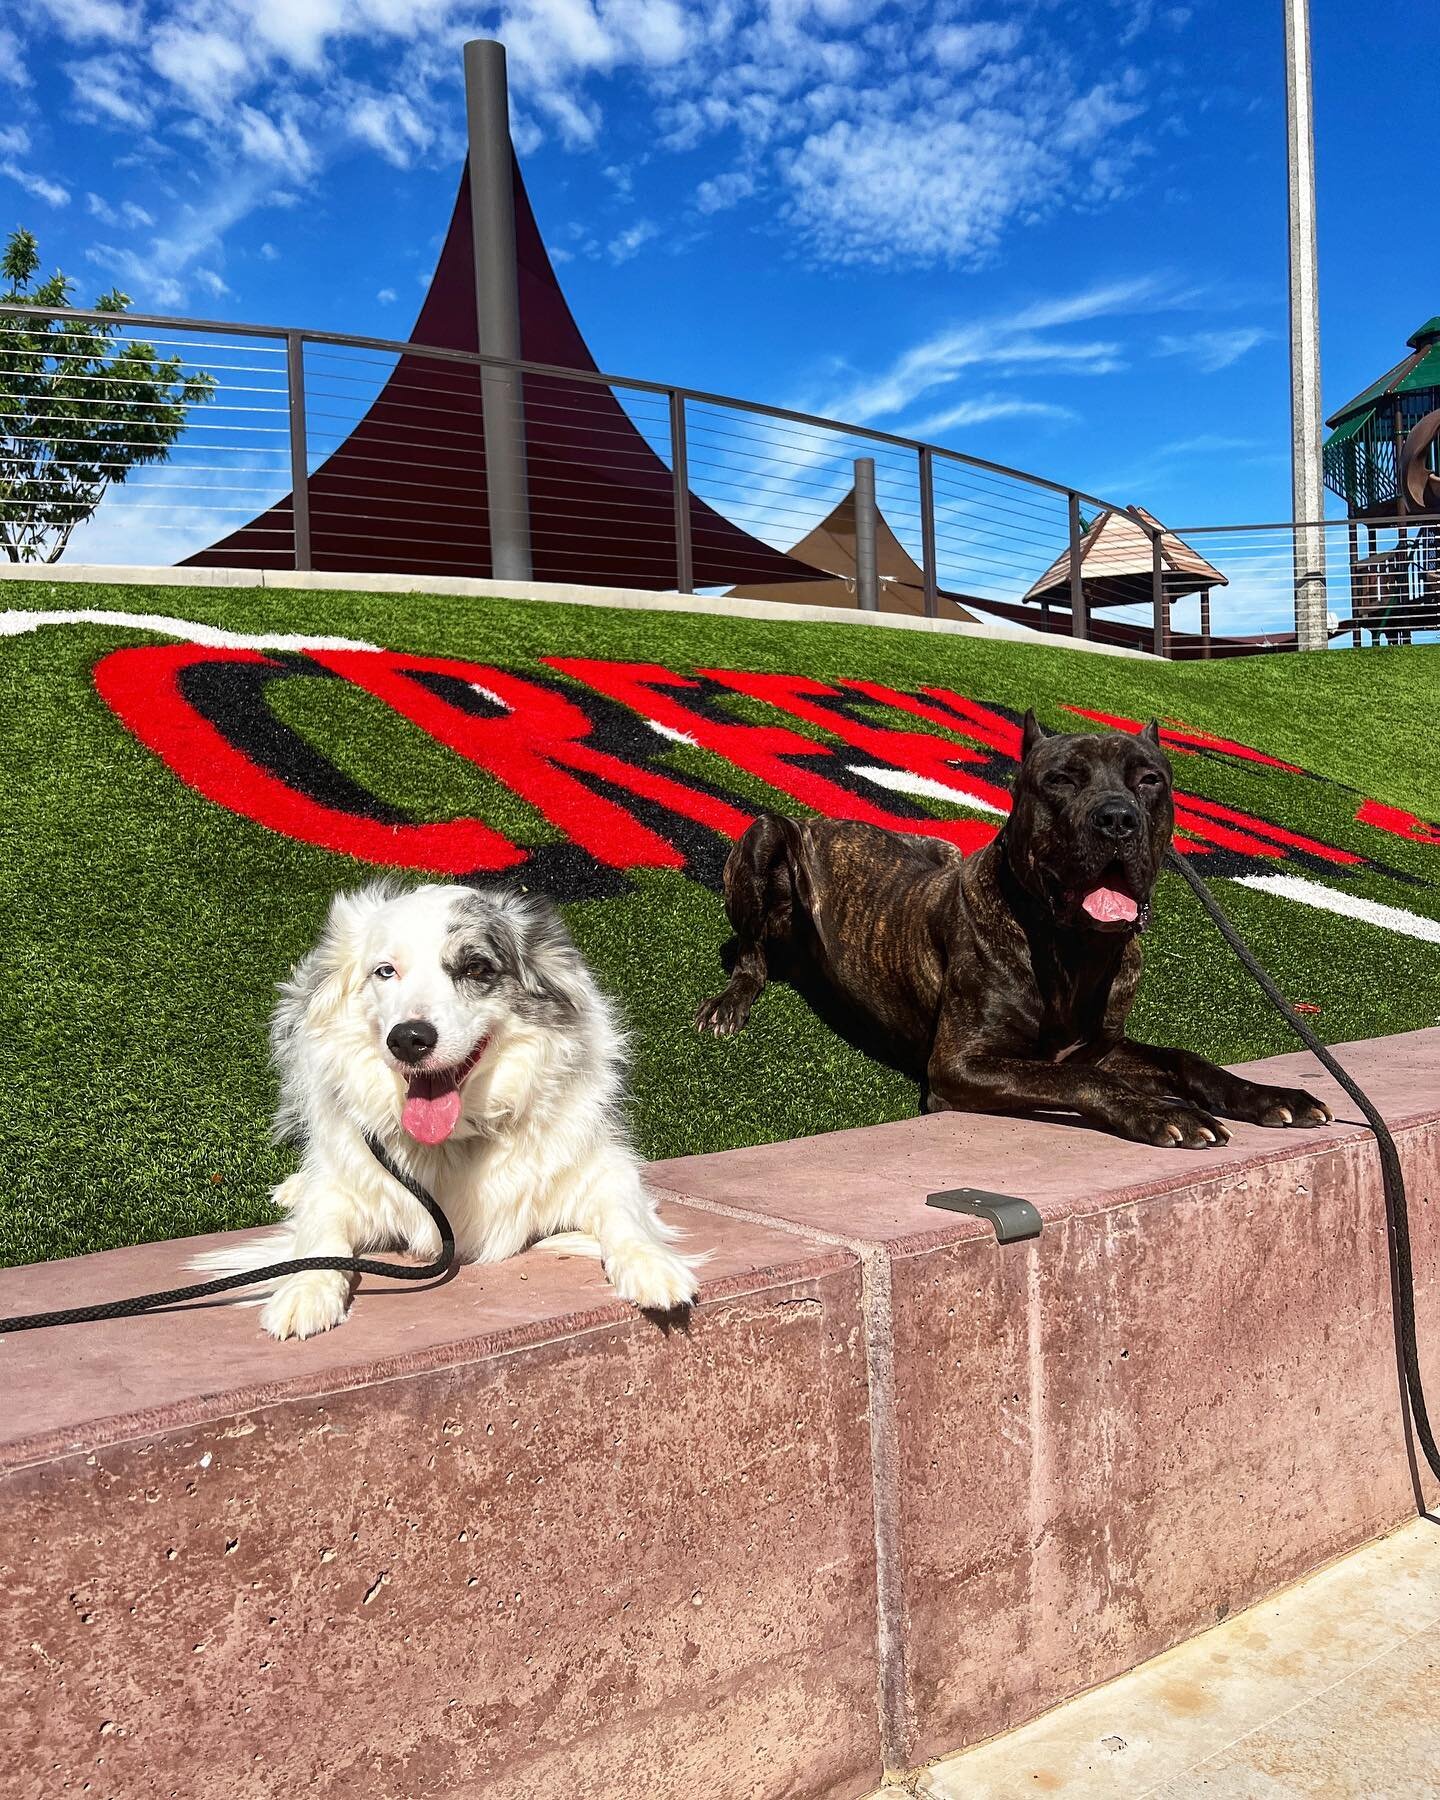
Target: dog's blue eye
(385, 972)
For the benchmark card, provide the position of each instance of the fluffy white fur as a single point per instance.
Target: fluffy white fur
(537, 1148)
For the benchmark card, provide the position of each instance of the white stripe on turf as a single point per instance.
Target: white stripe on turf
(1348, 906)
(901, 781)
(12, 624)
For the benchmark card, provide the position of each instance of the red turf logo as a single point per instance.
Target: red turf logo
(581, 741)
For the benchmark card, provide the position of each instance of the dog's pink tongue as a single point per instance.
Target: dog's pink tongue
(1110, 906)
(430, 1118)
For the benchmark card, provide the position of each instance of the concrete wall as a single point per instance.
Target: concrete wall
(896, 1488)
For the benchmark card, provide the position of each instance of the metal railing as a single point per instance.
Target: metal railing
(356, 453)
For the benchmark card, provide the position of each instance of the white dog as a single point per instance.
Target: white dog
(463, 1028)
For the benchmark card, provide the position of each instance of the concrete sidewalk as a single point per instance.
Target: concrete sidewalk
(1331, 1688)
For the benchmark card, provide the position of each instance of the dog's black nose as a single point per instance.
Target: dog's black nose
(412, 1040)
(1117, 819)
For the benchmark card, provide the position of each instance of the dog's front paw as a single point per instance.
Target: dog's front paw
(724, 1015)
(1171, 1126)
(652, 1277)
(1282, 1107)
(305, 1304)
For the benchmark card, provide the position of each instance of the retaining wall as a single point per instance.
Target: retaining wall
(896, 1488)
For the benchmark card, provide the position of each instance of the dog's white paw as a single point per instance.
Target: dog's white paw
(305, 1304)
(652, 1276)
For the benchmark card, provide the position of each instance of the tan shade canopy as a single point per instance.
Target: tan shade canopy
(831, 547)
(1115, 565)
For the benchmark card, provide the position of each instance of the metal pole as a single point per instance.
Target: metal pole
(1306, 419)
(497, 307)
(1205, 623)
(680, 478)
(1079, 623)
(1157, 594)
(927, 532)
(867, 579)
(299, 453)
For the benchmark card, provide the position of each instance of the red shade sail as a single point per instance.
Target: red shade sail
(406, 491)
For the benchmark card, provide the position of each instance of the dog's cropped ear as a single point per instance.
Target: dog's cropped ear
(1151, 734)
(1033, 733)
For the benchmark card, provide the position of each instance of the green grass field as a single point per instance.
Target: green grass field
(146, 926)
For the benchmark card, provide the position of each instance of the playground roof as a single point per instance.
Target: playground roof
(1116, 564)
(1418, 371)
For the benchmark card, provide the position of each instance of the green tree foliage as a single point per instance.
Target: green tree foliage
(81, 405)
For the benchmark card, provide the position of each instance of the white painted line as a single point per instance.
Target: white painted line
(1348, 906)
(13, 624)
(901, 781)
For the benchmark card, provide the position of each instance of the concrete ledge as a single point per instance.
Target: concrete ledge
(1180, 1397)
(563, 592)
(504, 1537)
(897, 1489)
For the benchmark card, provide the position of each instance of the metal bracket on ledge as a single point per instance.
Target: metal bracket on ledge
(1014, 1219)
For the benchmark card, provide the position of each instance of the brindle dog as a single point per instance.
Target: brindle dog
(1005, 977)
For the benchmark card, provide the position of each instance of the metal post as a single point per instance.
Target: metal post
(299, 452)
(927, 532)
(1157, 594)
(1205, 623)
(1306, 419)
(680, 479)
(867, 579)
(1079, 623)
(497, 307)
(1354, 536)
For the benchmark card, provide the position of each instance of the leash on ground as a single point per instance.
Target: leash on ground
(299, 1265)
(1397, 1209)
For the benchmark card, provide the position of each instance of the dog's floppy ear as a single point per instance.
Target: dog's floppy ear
(552, 974)
(1151, 734)
(318, 985)
(1033, 733)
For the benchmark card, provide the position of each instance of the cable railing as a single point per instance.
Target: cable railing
(348, 453)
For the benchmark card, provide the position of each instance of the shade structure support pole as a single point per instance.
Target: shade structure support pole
(1157, 595)
(680, 480)
(927, 532)
(1205, 623)
(497, 308)
(1306, 417)
(1079, 622)
(867, 575)
(299, 449)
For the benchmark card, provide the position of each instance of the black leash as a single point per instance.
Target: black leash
(1397, 1211)
(346, 1265)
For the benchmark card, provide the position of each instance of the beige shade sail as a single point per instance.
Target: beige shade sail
(1116, 565)
(831, 547)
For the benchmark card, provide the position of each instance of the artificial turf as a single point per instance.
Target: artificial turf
(146, 926)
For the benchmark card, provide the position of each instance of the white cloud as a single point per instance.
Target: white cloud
(390, 124)
(1212, 351)
(981, 411)
(112, 88)
(127, 213)
(630, 241)
(723, 191)
(269, 253)
(387, 296)
(51, 192)
(211, 282)
(87, 21)
(280, 142)
(959, 47)
(12, 60)
(14, 140)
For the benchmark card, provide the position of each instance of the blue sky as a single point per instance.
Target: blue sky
(1049, 234)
